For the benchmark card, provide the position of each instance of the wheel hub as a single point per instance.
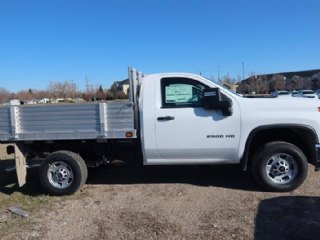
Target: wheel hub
(60, 175)
(281, 168)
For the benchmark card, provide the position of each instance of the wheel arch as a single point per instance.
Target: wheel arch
(303, 136)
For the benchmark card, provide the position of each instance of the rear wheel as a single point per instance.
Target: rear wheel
(63, 173)
(279, 166)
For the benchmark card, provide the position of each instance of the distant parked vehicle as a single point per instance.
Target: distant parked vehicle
(281, 93)
(294, 93)
(44, 100)
(318, 93)
(33, 101)
(306, 94)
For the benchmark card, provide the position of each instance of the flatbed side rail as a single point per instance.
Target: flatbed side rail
(111, 120)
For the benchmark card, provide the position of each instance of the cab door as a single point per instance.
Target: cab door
(185, 132)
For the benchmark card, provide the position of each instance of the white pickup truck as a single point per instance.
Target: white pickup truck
(170, 118)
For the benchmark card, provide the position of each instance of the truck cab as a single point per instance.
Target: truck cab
(178, 128)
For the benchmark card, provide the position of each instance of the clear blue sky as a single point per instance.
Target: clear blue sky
(57, 40)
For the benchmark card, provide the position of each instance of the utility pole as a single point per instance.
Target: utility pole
(72, 88)
(87, 83)
(218, 73)
(242, 70)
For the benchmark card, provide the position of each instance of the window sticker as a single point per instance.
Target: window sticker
(178, 93)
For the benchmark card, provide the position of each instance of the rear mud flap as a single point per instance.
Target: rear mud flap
(21, 167)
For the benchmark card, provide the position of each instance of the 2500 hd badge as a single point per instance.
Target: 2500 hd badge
(221, 136)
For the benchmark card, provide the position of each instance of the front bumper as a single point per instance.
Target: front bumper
(317, 162)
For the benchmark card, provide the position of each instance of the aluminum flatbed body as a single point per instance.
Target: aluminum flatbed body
(48, 122)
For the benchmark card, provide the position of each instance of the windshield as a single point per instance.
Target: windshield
(308, 92)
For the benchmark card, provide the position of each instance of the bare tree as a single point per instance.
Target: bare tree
(278, 82)
(122, 95)
(100, 94)
(4, 95)
(239, 78)
(229, 80)
(26, 94)
(262, 84)
(295, 83)
(252, 74)
(90, 93)
(65, 89)
(41, 94)
(315, 79)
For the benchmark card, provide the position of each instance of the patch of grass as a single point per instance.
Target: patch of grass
(28, 198)
(14, 225)
(11, 224)
(26, 202)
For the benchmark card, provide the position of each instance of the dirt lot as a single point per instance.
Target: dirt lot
(219, 202)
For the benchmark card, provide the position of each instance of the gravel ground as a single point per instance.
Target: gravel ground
(216, 202)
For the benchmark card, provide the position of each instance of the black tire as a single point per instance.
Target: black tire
(63, 173)
(279, 166)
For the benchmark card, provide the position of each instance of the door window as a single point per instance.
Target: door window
(181, 92)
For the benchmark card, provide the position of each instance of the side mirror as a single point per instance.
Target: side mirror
(213, 100)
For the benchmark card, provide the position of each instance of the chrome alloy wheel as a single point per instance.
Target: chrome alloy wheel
(60, 175)
(281, 168)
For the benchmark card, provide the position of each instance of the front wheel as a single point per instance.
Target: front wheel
(279, 166)
(63, 173)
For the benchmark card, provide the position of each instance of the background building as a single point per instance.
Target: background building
(267, 83)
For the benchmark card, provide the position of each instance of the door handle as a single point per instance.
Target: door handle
(166, 118)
